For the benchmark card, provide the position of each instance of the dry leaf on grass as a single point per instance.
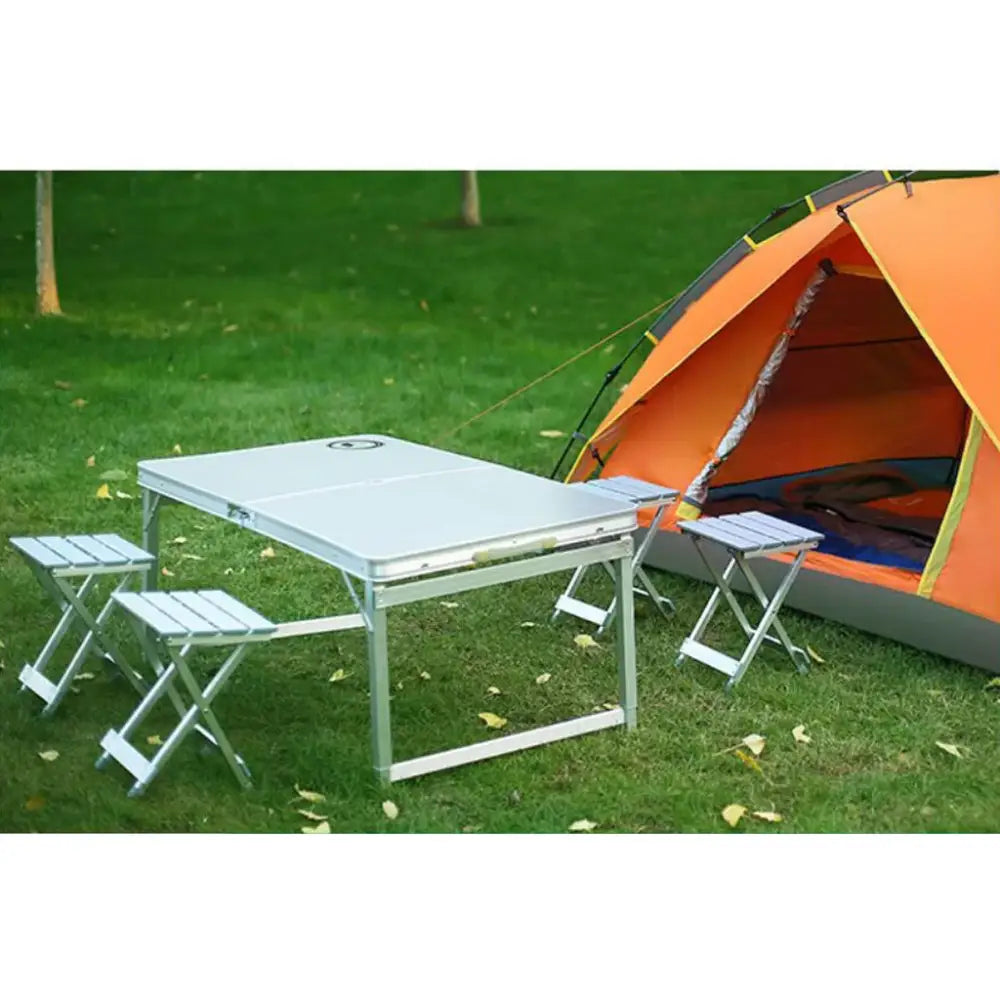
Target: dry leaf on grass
(771, 817)
(309, 814)
(85, 676)
(79, 403)
(123, 496)
(749, 761)
(732, 814)
(323, 827)
(582, 826)
(493, 721)
(814, 656)
(91, 461)
(389, 381)
(799, 733)
(191, 555)
(154, 740)
(390, 809)
(177, 450)
(527, 624)
(585, 641)
(49, 755)
(424, 676)
(166, 572)
(754, 743)
(551, 434)
(338, 675)
(230, 328)
(103, 493)
(60, 384)
(34, 803)
(179, 540)
(304, 793)
(949, 748)
(267, 553)
(493, 690)
(543, 678)
(449, 604)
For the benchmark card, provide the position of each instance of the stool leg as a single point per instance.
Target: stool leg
(721, 587)
(203, 702)
(771, 610)
(64, 625)
(151, 537)
(798, 656)
(571, 588)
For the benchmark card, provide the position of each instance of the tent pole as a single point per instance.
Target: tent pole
(609, 377)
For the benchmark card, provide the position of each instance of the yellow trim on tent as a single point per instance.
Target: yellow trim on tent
(923, 333)
(749, 242)
(860, 271)
(651, 338)
(687, 511)
(953, 514)
(887, 174)
(810, 203)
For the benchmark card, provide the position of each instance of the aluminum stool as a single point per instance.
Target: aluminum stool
(55, 560)
(642, 496)
(746, 536)
(173, 623)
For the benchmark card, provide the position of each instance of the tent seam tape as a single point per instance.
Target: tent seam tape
(953, 514)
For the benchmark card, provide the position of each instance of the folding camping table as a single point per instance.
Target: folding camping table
(405, 522)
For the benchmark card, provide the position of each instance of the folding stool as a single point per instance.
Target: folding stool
(172, 623)
(55, 561)
(641, 495)
(746, 536)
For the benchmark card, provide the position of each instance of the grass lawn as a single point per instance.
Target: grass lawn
(217, 311)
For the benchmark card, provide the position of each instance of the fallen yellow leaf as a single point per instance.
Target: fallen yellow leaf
(166, 572)
(177, 450)
(34, 803)
(609, 705)
(749, 761)
(338, 675)
(423, 305)
(91, 461)
(582, 826)
(79, 403)
(551, 434)
(771, 817)
(123, 496)
(493, 721)
(103, 493)
(304, 793)
(309, 814)
(230, 328)
(585, 641)
(543, 678)
(49, 755)
(799, 733)
(949, 748)
(191, 555)
(154, 740)
(179, 540)
(527, 624)
(84, 676)
(814, 656)
(424, 676)
(388, 381)
(754, 743)
(493, 690)
(60, 384)
(449, 604)
(267, 553)
(390, 809)
(732, 814)
(323, 827)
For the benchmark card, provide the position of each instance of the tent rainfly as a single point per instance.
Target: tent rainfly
(843, 374)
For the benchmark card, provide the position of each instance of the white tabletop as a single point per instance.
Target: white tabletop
(386, 509)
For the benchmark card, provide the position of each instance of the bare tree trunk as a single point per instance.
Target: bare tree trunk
(47, 294)
(470, 199)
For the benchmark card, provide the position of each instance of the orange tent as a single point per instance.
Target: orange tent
(843, 373)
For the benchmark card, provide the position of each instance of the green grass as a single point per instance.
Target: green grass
(320, 278)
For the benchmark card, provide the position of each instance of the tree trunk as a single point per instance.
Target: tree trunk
(470, 199)
(47, 294)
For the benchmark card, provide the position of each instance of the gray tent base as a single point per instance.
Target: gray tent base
(904, 618)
